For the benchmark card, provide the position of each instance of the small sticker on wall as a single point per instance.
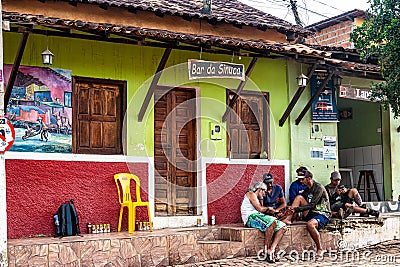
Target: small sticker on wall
(317, 153)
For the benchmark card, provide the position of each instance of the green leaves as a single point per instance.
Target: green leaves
(379, 37)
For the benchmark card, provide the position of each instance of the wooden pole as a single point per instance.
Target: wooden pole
(240, 88)
(154, 82)
(3, 204)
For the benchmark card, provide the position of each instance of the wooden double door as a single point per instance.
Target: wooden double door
(175, 151)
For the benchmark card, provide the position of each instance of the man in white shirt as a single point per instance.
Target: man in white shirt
(253, 215)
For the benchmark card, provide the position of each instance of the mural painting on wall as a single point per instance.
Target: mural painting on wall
(40, 109)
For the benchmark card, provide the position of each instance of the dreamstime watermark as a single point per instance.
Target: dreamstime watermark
(352, 255)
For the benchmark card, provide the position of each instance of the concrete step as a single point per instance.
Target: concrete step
(217, 241)
(220, 249)
(232, 234)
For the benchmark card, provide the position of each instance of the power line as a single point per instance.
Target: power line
(322, 3)
(314, 12)
(274, 2)
(286, 5)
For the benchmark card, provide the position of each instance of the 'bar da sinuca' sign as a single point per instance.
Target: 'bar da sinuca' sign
(213, 69)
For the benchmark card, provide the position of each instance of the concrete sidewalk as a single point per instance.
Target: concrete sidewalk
(196, 245)
(383, 254)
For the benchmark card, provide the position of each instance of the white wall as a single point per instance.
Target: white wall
(364, 158)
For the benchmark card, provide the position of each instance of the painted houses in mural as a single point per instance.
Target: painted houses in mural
(40, 109)
(122, 96)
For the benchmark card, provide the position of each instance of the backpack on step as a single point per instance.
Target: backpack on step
(66, 220)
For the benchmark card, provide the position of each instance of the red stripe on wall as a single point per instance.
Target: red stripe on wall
(36, 188)
(227, 184)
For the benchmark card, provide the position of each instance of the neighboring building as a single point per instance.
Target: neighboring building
(106, 109)
(365, 133)
(336, 31)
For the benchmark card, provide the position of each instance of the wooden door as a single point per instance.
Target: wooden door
(175, 152)
(248, 126)
(97, 113)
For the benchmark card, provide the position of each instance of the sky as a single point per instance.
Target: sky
(310, 11)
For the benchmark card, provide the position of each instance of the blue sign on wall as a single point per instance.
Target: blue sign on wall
(324, 107)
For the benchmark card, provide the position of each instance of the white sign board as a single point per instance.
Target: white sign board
(329, 147)
(214, 69)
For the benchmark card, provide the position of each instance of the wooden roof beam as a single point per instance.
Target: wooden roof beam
(154, 82)
(316, 94)
(60, 28)
(240, 88)
(14, 70)
(79, 36)
(296, 97)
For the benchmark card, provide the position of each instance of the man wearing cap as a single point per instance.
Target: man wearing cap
(314, 203)
(274, 197)
(342, 199)
(297, 187)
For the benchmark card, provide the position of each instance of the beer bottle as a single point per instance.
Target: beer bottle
(89, 228)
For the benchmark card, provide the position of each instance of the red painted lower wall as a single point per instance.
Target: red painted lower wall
(36, 188)
(227, 184)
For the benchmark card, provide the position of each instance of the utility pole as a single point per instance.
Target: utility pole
(3, 206)
(295, 13)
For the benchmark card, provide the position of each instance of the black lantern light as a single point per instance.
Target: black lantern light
(47, 55)
(302, 80)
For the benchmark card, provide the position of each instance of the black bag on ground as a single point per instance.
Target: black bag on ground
(68, 221)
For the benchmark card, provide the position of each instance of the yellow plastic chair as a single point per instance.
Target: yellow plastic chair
(123, 182)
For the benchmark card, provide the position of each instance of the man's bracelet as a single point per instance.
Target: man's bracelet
(260, 199)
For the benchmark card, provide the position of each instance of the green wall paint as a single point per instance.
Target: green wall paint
(394, 183)
(367, 118)
(137, 65)
(386, 155)
(270, 76)
(362, 129)
(300, 135)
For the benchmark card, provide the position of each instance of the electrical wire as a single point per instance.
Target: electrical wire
(285, 5)
(322, 3)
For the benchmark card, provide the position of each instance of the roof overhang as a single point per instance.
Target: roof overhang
(126, 34)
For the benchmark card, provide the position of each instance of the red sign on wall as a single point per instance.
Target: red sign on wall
(7, 134)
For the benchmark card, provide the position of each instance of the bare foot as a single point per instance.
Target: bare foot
(286, 221)
(320, 253)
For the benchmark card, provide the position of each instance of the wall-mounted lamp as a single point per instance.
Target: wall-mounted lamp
(302, 80)
(47, 56)
(337, 80)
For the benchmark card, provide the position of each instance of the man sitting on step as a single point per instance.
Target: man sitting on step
(274, 198)
(342, 199)
(314, 204)
(253, 215)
